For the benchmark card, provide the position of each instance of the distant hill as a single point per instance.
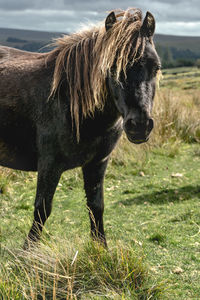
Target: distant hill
(173, 50)
(177, 51)
(29, 40)
(180, 42)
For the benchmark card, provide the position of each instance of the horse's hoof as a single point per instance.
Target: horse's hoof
(29, 244)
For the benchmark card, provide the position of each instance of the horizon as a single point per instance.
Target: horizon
(59, 32)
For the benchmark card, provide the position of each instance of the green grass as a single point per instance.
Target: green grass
(152, 220)
(185, 78)
(155, 214)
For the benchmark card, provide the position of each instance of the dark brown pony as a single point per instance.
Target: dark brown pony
(67, 108)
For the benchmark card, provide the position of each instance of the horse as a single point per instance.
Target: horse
(68, 107)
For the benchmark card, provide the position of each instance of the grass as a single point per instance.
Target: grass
(184, 78)
(177, 117)
(79, 271)
(152, 220)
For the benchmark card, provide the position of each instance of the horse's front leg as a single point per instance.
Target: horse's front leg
(93, 174)
(48, 176)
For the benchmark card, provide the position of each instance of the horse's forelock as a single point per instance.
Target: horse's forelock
(124, 41)
(86, 58)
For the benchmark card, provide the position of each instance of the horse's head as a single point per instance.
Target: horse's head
(134, 90)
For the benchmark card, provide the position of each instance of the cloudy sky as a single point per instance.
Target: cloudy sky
(172, 16)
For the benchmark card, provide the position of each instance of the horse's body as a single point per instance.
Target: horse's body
(41, 130)
(28, 121)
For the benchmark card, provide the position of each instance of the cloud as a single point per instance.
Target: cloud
(46, 20)
(172, 16)
(179, 28)
(21, 5)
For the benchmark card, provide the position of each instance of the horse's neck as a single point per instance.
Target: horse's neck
(109, 116)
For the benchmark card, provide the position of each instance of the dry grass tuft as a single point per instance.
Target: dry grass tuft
(177, 117)
(78, 271)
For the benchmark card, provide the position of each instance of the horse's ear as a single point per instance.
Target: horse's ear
(110, 20)
(148, 26)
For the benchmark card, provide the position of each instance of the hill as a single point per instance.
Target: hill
(179, 42)
(29, 40)
(177, 51)
(173, 50)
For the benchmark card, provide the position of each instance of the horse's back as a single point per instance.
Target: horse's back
(9, 54)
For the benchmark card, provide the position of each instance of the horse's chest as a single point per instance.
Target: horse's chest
(94, 149)
(93, 144)
(80, 154)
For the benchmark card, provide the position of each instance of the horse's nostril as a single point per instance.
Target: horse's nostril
(150, 124)
(130, 124)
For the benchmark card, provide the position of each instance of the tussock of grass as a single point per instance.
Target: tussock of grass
(66, 271)
(177, 117)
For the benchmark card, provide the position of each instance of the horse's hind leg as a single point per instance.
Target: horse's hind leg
(48, 177)
(93, 174)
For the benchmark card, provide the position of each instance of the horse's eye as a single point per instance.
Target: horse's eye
(156, 70)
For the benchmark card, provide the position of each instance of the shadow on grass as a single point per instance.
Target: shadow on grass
(163, 196)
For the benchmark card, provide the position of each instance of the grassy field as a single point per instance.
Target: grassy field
(184, 78)
(152, 216)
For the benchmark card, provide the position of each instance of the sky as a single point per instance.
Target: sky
(172, 16)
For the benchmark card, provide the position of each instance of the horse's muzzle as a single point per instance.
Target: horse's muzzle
(136, 140)
(138, 133)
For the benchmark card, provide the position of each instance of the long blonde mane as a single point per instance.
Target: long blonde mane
(86, 58)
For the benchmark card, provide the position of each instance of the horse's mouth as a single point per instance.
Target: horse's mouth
(136, 140)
